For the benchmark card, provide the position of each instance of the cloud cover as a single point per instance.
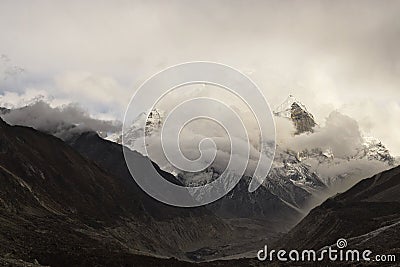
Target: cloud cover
(341, 55)
(59, 121)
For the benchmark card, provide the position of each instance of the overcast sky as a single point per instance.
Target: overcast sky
(332, 55)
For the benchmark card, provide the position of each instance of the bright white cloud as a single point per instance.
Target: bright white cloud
(60, 121)
(330, 54)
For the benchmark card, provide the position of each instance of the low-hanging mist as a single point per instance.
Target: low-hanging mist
(340, 137)
(339, 141)
(60, 121)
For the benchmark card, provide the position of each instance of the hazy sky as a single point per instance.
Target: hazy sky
(332, 55)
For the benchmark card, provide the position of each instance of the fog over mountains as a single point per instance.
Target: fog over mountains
(69, 71)
(331, 55)
(312, 162)
(337, 152)
(331, 157)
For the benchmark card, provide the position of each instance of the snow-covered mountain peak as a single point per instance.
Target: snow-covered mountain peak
(153, 121)
(373, 149)
(297, 174)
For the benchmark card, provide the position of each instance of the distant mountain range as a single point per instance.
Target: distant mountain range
(294, 181)
(73, 202)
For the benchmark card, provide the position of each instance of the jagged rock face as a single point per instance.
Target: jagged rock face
(373, 149)
(289, 186)
(302, 120)
(293, 180)
(297, 113)
(153, 121)
(193, 179)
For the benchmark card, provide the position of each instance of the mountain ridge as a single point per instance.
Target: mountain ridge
(370, 205)
(54, 200)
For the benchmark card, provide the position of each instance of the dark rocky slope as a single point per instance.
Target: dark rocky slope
(253, 217)
(367, 215)
(62, 209)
